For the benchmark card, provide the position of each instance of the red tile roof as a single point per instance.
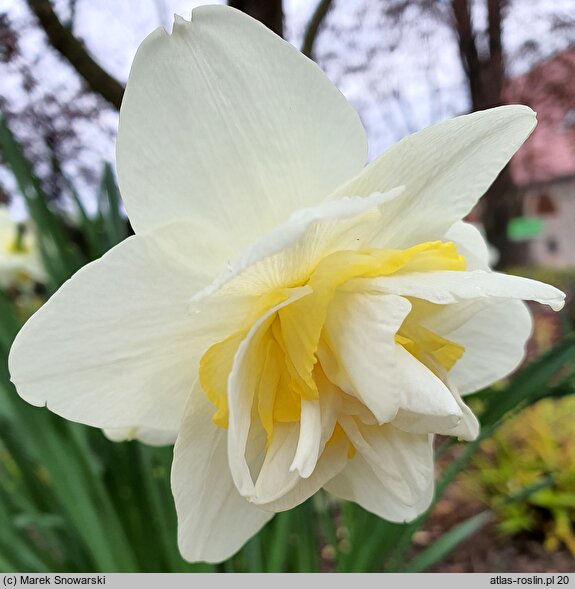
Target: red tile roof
(549, 89)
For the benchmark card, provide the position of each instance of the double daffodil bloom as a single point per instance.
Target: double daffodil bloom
(291, 319)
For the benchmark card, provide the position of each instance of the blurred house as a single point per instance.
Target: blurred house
(544, 168)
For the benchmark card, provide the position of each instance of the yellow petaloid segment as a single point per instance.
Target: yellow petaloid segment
(216, 364)
(215, 367)
(277, 397)
(426, 345)
(269, 384)
(294, 382)
(339, 434)
(287, 364)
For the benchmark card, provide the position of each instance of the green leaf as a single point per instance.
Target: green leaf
(544, 483)
(533, 383)
(277, 550)
(553, 499)
(60, 256)
(441, 547)
(110, 206)
(373, 541)
(91, 227)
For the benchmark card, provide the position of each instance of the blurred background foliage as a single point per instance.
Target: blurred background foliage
(70, 500)
(536, 444)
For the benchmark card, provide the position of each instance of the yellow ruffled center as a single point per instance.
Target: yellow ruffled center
(289, 345)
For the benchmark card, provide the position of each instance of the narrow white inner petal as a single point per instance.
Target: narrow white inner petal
(330, 402)
(242, 384)
(275, 478)
(310, 433)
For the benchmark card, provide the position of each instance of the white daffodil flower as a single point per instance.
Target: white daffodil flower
(19, 256)
(291, 319)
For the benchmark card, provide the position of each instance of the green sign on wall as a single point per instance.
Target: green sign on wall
(524, 228)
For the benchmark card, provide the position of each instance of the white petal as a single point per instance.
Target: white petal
(494, 335)
(391, 475)
(287, 254)
(468, 428)
(116, 347)
(309, 442)
(470, 244)
(331, 462)
(359, 483)
(224, 121)
(445, 169)
(359, 331)
(447, 287)
(214, 520)
(275, 477)
(331, 405)
(427, 405)
(242, 383)
(153, 437)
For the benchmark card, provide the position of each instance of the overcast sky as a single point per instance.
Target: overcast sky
(412, 87)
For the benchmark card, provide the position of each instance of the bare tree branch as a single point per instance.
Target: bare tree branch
(61, 38)
(468, 50)
(485, 75)
(496, 64)
(269, 12)
(313, 27)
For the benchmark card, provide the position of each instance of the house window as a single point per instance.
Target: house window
(552, 245)
(545, 205)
